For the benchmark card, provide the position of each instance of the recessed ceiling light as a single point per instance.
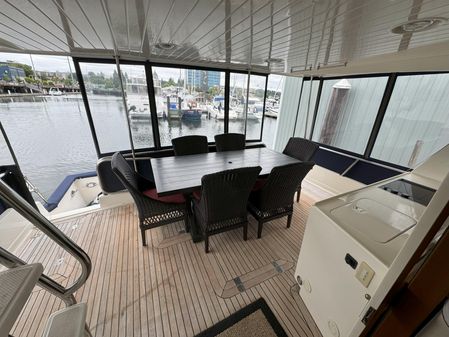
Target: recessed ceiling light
(274, 60)
(419, 25)
(165, 45)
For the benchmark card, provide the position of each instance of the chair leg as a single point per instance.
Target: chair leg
(289, 220)
(245, 232)
(298, 193)
(189, 213)
(144, 241)
(187, 220)
(206, 243)
(259, 230)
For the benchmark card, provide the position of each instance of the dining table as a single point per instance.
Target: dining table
(182, 174)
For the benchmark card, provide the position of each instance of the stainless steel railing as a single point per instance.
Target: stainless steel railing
(33, 189)
(13, 199)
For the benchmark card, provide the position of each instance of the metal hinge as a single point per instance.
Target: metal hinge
(368, 315)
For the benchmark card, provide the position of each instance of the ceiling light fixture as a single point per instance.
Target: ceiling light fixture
(274, 60)
(419, 25)
(165, 45)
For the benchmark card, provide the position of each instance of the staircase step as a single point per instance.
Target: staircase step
(17, 285)
(68, 322)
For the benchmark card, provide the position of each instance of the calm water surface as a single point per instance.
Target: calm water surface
(52, 139)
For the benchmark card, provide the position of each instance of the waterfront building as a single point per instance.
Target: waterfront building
(202, 79)
(10, 73)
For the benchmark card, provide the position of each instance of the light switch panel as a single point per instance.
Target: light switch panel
(364, 274)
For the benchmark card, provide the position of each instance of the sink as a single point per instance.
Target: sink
(372, 219)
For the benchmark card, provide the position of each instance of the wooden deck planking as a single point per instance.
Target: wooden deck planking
(171, 287)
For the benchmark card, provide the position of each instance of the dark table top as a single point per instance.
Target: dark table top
(184, 173)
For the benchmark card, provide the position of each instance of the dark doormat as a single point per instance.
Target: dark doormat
(254, 320)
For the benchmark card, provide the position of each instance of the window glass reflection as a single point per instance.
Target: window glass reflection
(138, 103)
(106, 106)
(272, 109)
(239, 110)
(347, 111)
(416, 123)
(188, 102)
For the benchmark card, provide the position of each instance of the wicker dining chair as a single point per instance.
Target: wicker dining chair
(230, 142)
(153, 211)
(190, 145)
(222, 203)
(274, 199)
(301, 149)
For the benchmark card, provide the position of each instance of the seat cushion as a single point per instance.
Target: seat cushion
(259, 184)
(171, 199)
(197, 194)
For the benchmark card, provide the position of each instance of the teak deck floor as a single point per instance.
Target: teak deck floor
(171, 287)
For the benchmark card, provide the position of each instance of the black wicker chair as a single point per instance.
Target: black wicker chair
(222, 203)
(301, 149)
(275, 198)
(230, 142)
(190, 145)
(153, 211)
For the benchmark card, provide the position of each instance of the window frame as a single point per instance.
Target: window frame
(388, 91)
(148, 65)
(80, 77)
(264, 101)
(366, 155)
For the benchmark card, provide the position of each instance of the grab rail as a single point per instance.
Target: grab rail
(13, 199)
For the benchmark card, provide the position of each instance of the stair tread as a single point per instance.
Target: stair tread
(17, 285)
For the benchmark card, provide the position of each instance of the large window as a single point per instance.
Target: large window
(189, 102)
(49, 131)
(106, 106)
(416, 122)
(347, 111)
(245, 117)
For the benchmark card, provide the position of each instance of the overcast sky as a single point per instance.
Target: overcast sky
(63, 64)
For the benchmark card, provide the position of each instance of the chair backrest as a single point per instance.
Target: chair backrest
(281, 185)
(225, 194)
(190, 145)
(300, 148)
(230, 142)
(124, 172)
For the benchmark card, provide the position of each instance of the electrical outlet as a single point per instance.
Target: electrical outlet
(364, 274)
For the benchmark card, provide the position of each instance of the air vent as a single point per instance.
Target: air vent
(419, 25)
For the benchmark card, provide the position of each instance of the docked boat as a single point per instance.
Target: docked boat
(54, 92)
(271, 108)
(272, 112)
(139, 108)
(219, 114)
(191, 114)
(248, 168)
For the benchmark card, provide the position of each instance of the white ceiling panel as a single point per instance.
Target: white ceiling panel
(302, 34)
